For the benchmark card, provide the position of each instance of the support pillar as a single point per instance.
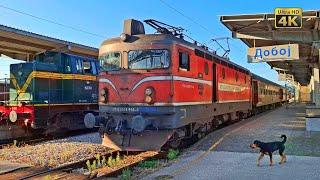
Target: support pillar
(313, 111)
(316, 87)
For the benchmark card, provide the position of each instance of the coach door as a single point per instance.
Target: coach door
(214, 83)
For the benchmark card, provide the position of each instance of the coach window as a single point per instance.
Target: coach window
(245, 79)
(184, 61)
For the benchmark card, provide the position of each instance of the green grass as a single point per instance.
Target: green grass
(149, 164)
(126, 174)
(172, 154)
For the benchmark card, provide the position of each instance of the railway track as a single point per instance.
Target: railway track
(32, 140)
(69, 171)
(77, 170)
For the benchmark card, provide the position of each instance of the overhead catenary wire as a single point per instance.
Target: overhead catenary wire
(51, 21)
(191, 19)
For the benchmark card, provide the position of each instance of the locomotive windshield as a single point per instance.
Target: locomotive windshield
(148, 59)
(110, 61)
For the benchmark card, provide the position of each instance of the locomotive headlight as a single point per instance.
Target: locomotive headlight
(103, 92)
(148, 99)
(149, 95)
(124, 37)
(102, 99)
(104, 95)
(148, 91)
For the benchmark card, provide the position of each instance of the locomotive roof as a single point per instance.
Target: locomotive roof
(169, 39)
(74, 55)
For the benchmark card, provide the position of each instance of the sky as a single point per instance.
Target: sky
(200, 18)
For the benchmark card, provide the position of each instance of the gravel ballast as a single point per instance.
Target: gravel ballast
(55, 153)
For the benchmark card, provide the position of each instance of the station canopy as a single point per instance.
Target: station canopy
(24, 45)
(258, 30)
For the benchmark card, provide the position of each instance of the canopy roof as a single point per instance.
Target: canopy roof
(24, 45)
(257, 30)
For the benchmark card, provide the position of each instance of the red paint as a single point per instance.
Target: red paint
(177, 91)
(22, 112)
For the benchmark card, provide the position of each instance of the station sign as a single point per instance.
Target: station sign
(288, 17)
(273, 53)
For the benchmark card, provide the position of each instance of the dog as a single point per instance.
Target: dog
(269, 147)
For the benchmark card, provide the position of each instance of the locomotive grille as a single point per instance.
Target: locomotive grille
(23, 115)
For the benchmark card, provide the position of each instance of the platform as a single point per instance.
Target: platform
(225, 153)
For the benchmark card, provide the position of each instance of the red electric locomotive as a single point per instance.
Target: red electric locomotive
(159, 88)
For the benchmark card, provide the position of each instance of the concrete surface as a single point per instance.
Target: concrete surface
(313, 124)
(234, 165)
(225, 153)
(267, 127)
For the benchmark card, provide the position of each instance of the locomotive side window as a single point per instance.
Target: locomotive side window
(206, 68)
(87, 69)
(79, 66)
(110, 61)
(223, 73)
(237, 77)
(184, 61)
(67, 65)
(148, 59)
(94, 68)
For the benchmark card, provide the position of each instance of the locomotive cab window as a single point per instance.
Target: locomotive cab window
(110, 61)
(148, 59)
(184, 61)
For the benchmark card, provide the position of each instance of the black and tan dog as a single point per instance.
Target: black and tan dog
(269, 147)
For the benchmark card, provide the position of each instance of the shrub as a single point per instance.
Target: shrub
(172, 154)
(149, 164)
(126, 174)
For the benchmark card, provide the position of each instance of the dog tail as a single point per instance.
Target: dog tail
(284, 137)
